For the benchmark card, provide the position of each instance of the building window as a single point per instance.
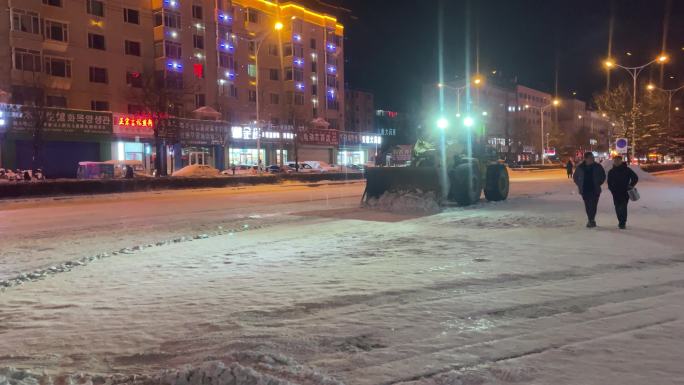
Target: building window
(314, 89)
(167, 49)
(288, 73)
(198, 41)
(287, 49)
(298, 50)
(98, 75)
(131, 16)
(133, 79)
(197, 12)
(226, 60)
(95, 7)
(314, 66)
(99, 105)
(56, 101)
(233, 91)
(174, 80)
(298, 75)
(252, 15)
(55, 30)
(331, 81)
(132, 48)
(273, 49)
(26, 60)
(96, 41)
(252, 96)
(168, 18)
(200, 100)
(299, 99)
(25, 21)
(273, 74)
(275, 98)
(54, 3)
(252, 70)
(58, 67)
(313, 44)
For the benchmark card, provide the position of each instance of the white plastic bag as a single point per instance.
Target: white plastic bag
(633, 194)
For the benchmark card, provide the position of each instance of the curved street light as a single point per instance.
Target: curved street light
(634, 72)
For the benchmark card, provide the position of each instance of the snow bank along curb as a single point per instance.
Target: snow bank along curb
(406, 202)
(236, 369)
(39, 274)
(77, 187)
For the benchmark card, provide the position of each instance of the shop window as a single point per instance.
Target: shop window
(96, 41)
(26, 60)
(95, 7)
(99, 105)
(58, 67)
(131, 16)
(56, 31)
(98, 75)
(25, 21)
(132, 48)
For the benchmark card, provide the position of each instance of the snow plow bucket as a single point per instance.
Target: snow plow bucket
(382, 179)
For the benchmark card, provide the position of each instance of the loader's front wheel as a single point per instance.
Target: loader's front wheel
(466, 187)
(498, 184)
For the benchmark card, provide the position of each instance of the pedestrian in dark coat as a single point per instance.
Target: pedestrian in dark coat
(569, 168)
(589, 176)
(621, 179)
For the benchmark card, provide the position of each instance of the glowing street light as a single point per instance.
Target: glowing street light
(468, 121)
(442, 123)
(278, 26)
(634, 72)
(650, 87)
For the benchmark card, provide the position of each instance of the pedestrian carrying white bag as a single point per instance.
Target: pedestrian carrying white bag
(633, 194)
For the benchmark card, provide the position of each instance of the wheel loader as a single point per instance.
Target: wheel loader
(471, 166)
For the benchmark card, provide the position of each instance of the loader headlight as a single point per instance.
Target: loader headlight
(442, 123)
(468, 121)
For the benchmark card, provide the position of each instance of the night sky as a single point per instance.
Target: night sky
(391, 46)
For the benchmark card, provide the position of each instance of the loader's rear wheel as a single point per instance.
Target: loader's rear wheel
(466, 187)
(498, 184)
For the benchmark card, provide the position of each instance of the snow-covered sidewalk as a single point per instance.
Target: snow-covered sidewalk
(511, 292)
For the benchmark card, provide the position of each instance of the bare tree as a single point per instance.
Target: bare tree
(162, 98)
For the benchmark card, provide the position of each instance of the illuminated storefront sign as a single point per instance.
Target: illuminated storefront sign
(134, 121)
(59, 120)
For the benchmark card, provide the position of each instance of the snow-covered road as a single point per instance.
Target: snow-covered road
(511, 292)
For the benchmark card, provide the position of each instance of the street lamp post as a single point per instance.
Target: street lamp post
(670, 94)
(259, 42)
(634, 72)
(477, 82)
(554, 103)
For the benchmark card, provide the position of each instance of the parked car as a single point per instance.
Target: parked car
(242, 169)
(196, 170)
(319, 166)
(276, 169)
(303, 167)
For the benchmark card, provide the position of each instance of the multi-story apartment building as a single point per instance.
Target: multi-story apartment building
(359, 110)
(265, 69)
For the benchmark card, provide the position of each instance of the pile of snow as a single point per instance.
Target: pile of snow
(643, 175)
(197, 170)
(406, 202)
(243, 368)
